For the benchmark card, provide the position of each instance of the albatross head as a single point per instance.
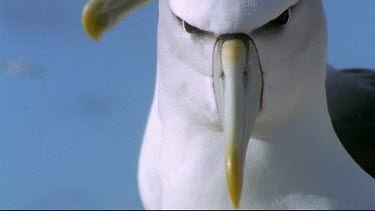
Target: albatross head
(255, 53)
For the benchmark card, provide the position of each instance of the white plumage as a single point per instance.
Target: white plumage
(293, 160)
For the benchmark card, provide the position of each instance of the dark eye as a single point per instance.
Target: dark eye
(189, 28)
(283, 19)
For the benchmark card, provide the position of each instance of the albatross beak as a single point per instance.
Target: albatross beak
(99, 16)
(238, 84)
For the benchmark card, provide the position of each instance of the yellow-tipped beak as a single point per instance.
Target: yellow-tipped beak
(99, 16)
(234, 63)
(93, 23)
(238, 82)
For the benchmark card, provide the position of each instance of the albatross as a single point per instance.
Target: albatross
(239, 117)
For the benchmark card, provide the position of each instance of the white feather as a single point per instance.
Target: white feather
(294, 158)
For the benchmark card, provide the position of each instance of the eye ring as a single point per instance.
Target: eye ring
(189, 28)
(283, 19)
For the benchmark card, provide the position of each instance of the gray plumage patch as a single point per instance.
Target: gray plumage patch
(351, 104)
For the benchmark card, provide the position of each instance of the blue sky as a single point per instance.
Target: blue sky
(73, 112)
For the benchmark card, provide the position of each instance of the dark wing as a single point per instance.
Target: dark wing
(351, 104)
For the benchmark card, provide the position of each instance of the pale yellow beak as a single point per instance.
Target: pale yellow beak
(99, 16)
(237, 81)
(238, 84)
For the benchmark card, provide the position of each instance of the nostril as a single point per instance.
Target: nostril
(222, 76)
(245, 75)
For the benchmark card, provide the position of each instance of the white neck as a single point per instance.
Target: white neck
(302, 160)
(296, 163)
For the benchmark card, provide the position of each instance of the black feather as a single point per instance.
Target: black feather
(351, 104)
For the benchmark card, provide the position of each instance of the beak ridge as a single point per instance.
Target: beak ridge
(98, 16)
(237, 83)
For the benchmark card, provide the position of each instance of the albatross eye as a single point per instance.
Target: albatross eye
(189, 28)
(283, 19)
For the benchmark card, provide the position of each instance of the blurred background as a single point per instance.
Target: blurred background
(73, 112)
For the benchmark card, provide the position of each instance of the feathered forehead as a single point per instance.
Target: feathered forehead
(229, 16)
